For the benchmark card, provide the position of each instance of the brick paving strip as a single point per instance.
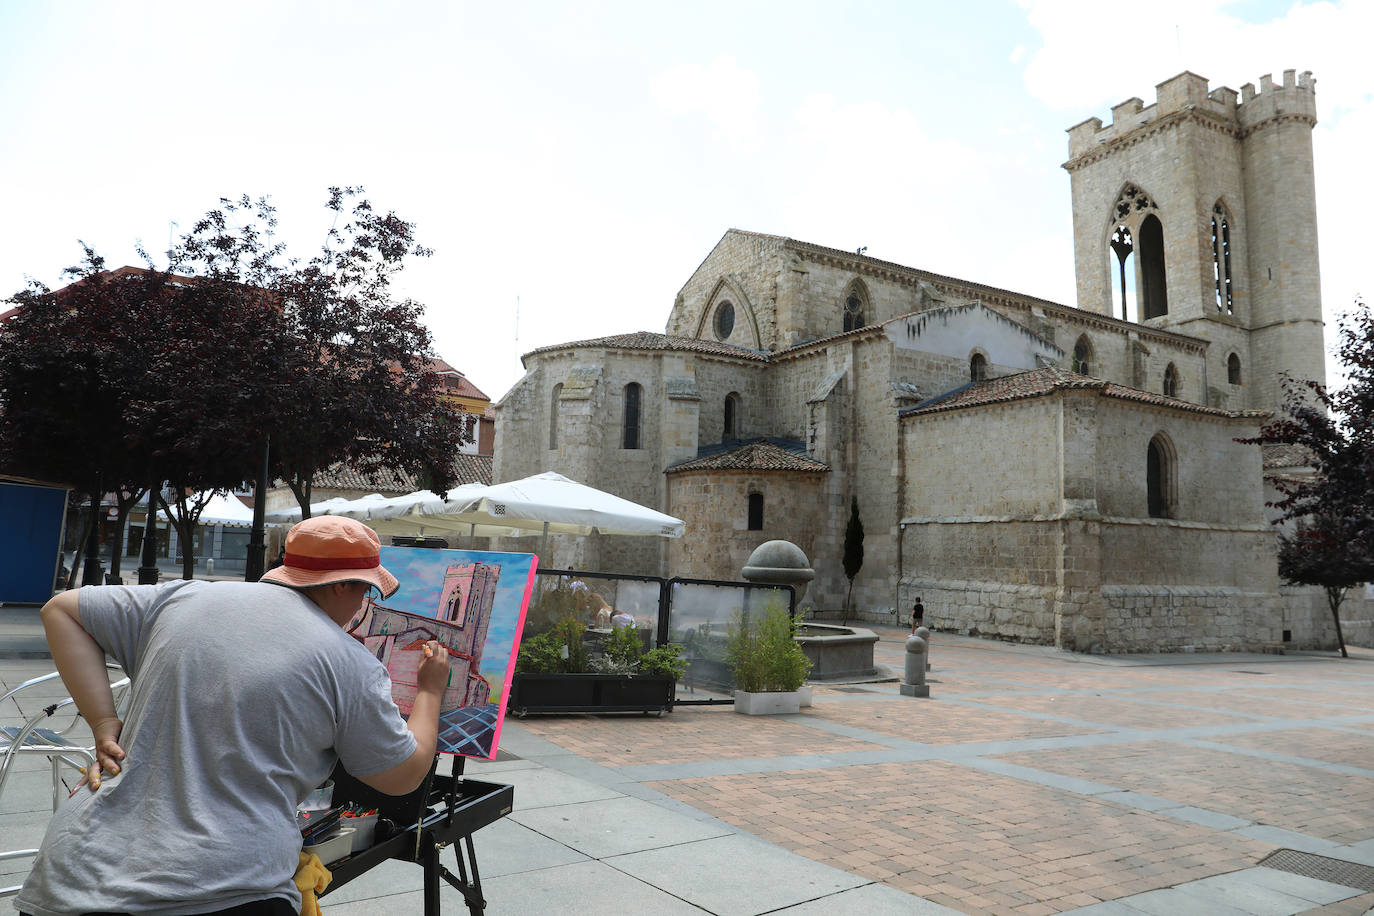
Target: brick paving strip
(1039, 782)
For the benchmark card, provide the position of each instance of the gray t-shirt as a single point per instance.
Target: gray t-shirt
(244, 695)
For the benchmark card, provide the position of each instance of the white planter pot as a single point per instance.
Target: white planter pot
(804, 695)
(767, 704)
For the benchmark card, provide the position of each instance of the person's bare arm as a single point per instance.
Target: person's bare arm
(423, 724)
(81, 662)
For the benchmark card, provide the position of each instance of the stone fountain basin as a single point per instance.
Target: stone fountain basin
(837, 652)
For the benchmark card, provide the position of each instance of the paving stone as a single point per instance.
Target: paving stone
(614, 826)
(726, 875)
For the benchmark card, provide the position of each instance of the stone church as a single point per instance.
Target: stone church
(1057, 474)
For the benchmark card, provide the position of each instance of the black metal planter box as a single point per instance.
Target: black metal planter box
(591, 693)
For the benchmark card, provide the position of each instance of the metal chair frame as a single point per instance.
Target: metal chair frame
(56, 745)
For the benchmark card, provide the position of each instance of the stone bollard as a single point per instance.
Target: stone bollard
(925, 634)
(914, 678)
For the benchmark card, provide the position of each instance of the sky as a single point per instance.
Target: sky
(570, 164)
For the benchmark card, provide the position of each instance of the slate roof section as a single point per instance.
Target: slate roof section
(758, 455)
(469, 469)
(1039, 382)
(648, 340)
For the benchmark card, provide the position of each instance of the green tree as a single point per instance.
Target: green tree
(853, 550)
(1332, 545)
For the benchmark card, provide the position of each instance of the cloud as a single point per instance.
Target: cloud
(876, 175)
(723, 92)
(1096, 55)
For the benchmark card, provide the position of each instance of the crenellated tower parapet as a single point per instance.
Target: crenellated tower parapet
(1294, 100)
(1186, 97)
(1198, 214)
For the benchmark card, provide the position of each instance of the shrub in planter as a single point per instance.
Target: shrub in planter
(559, 651)
(665, 661)
(615, 674)
(765, 659)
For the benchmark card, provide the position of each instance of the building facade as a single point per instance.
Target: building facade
(1036, 471)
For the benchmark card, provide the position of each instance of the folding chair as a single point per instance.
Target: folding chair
(57, 745)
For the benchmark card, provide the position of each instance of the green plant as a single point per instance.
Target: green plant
(763, 655)
(568, 632)
(853, 550)
(665, 661)
(623, 647)
(542, 654)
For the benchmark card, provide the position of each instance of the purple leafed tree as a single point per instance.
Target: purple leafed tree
(1332, 545)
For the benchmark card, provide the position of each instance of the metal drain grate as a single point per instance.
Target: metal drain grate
(1323, 868)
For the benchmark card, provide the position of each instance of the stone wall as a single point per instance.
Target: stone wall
(714, 505)
(1216, 478)
(743, 268)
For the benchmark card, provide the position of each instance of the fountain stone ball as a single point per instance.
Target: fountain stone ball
(779, 563)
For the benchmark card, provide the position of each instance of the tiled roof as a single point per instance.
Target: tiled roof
(1039, 382)
(473, 469)
(1286, 456)
(648, 340)
(342, 477)
(759, 455)
(468, 468)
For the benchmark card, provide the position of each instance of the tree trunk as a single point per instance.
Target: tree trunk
(188, 546)
(91, 574)
(117, 542)
(847, 596)
(1334, 597)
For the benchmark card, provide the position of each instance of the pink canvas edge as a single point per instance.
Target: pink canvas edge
(510, 663)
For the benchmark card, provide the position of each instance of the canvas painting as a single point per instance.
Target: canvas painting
(474, 603)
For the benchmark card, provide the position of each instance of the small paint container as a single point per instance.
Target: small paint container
(333, 847)
(364, 829)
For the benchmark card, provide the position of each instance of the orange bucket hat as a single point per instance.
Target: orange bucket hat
(329, 549)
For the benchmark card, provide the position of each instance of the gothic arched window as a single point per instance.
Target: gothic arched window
(632, 399)
(553, 415)
(1154, 297)
(1083, 356)
(855, 306)
(1221, 259)
(1233, 369)
(1123, 291)
(1160, 476)
(1171, 381)
(1137, 243)
(730, 429)
(978, 367)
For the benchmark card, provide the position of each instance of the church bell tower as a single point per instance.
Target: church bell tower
(1197, 214)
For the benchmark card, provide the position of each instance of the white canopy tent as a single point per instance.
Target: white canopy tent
(544, 504)
(550, 503)
(225, 509)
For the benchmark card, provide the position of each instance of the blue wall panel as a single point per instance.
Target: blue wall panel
(30, 540)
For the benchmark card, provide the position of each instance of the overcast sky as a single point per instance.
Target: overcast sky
(581, 158)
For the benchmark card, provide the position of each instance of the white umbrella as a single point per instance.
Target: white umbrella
(552, 504)
(292, 514)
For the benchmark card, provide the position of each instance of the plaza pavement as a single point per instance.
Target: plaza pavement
(1032, 781)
